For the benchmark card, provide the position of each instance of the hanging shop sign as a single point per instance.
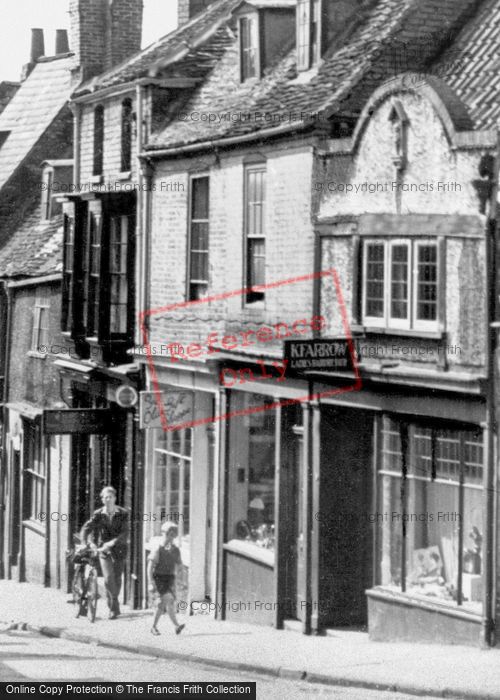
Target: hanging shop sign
(177, 408)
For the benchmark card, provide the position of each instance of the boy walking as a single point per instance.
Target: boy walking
(162, 568)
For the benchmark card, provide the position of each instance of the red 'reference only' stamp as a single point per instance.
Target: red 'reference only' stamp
(216, 343)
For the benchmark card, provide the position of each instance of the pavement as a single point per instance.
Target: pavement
(343, 658)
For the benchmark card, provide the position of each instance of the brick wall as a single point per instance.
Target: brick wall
(103, 34)
(35, 379)
(289, 245)
(112, 143)
(427, 208)
(186, 9)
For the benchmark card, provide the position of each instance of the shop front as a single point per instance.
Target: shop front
(429, 529)
(180, 482)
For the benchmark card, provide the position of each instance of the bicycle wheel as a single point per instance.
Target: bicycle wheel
(92, 595)
(78, 591)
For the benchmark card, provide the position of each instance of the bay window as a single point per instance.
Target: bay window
(98, 273)
(430, 512)
(400, 284)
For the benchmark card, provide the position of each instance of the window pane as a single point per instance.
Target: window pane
(426, 282)
(200, 198)
(304, 30)
(375, 280)
(257, 261)
(399, 281)
(252, 473)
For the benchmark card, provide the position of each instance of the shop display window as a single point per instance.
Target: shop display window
(430, 512)
(251, 476)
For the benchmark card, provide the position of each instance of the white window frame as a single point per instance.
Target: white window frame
(419, 324)
(47, 185)
(391, 321)
(377, 321)
(249, 169)
(387, 321)
(254, 21)
(190, 281)
(42, 301)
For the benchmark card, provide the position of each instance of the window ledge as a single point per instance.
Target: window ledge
(125, 175)
(405, 332)
(400, 598)
(38, 355)
(250, 551)
(35, 526)
(96, 179)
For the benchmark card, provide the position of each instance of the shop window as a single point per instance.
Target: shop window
(255, 213)
(198, 238)
(126, 150)
(40, 332)
(430, 513)
(251, 477)
(98, 140)
(249, 48)
(308, 33)
(400, 284)
(34, 470)
(172, 480)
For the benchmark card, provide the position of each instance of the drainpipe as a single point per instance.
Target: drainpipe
(488, 620)
(7, 294)
(77, 113)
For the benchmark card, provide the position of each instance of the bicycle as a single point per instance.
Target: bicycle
(84, 586)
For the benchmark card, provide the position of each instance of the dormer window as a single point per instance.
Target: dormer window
(266, 34)
(308, 33)
(47, 187)
(249, 47)
(56, 178)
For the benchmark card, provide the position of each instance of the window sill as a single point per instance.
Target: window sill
(250, 551)
(35, 526)
(125, 175)
(97, 179)
(38, 355)
(405, 332)
(399, 598)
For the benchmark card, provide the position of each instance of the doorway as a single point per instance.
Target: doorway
(345, 531)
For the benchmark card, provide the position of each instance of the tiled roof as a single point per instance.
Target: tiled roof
(390, 36)
(7, 91)
(32, 109)
(171, 47)
(471, 65)
(35, 249)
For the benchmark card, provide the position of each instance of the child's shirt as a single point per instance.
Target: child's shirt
(165, 560)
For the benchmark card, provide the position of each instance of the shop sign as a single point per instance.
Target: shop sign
(82, 421)
(177, 407)
(126, 396)
(322, 354)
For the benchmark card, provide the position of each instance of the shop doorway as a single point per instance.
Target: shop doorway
(344, 528)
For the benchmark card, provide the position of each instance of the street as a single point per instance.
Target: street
(29, 656)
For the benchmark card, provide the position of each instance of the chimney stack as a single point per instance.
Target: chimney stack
(103, 33)
(37, 50)
(37, 45)
(187, 9)
(62, 45)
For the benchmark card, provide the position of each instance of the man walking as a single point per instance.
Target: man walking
(107, 531)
